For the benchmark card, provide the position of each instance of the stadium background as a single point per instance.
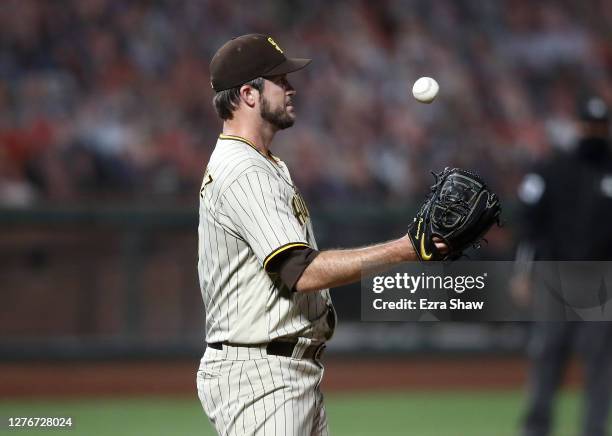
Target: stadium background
(106, 125)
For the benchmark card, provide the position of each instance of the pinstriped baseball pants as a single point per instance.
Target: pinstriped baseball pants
(246, 392)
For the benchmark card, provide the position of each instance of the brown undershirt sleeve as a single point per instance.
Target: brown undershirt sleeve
(291, 264)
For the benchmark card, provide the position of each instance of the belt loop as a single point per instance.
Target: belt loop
(300, 347)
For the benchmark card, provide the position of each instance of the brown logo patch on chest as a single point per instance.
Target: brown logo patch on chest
(299, 208)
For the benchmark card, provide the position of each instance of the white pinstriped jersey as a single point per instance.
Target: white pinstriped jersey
(250, 212)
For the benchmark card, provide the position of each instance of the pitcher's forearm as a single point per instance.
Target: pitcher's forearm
(340, 267)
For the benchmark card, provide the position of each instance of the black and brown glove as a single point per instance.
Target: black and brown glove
(459, 211)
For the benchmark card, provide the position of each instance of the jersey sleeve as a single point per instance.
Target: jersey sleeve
(263, 216)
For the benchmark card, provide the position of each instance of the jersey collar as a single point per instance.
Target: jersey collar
(246, 141)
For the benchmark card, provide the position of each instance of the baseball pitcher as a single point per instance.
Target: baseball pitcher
(263, 280)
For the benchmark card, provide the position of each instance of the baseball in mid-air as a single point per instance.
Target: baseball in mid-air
(425, 89)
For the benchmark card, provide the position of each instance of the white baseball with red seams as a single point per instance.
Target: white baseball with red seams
(425, 89)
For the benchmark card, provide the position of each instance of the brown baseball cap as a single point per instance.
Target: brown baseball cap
(247, 57)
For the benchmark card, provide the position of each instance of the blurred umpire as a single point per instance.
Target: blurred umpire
(567, 211)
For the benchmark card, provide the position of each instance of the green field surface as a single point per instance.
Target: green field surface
(381, 414)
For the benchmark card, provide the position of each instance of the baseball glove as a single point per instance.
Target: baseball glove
(459, 211)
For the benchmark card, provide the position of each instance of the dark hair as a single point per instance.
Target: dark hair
(226, 102)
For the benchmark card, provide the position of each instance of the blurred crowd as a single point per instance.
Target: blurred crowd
(111, 99)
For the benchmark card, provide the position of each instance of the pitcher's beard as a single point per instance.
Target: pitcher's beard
(279, 118)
